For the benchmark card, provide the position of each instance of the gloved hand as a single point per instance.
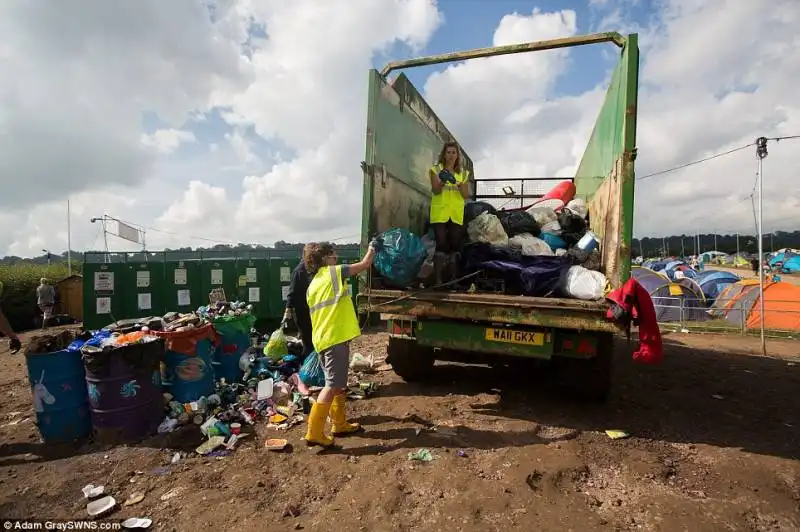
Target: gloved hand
(446, 177)
(377, 244)
(286, 323)
(14, 345)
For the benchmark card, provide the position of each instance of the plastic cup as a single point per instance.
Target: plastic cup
(236, 428)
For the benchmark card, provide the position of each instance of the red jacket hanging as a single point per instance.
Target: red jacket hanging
(633, 302)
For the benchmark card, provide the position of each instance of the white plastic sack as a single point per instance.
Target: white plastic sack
(552, 227)
(581, 283)
(487, 228)
(543, 215)
(530, 245)
(578, 206)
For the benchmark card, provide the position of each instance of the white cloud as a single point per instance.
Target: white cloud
(311, 94)
(197, 202)
(478, 98)
(702, 91)
(79, 87)
(242, 147)
(78, 78)
(166, 141)
(715, 77)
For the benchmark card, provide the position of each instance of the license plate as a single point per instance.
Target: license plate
(510, 336)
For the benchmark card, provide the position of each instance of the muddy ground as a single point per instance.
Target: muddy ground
(713, 446)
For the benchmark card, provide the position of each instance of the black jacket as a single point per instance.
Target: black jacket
(296, 298)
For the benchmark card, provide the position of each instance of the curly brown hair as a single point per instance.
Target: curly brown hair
(451, 144)
(314, 255)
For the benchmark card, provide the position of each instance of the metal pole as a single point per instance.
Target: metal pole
(69, 243)
(683, 252)
(715, 241)
(737, 244)
(641, 249)
(761, 152)
(565, 42)
(664, 246)
(105, 238)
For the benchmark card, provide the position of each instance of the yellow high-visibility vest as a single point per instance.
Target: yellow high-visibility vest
(333, 316)
(449, 203)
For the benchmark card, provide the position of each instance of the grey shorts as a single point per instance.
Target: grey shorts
(336, 365)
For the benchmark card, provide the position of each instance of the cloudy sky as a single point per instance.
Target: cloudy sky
(243, 120)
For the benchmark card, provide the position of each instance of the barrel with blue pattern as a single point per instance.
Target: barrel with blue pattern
(60, 399)
(124, 389)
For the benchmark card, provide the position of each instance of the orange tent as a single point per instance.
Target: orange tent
(739, 303)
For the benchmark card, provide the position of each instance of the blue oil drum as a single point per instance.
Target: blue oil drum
(124, 389)
(60, 399)
(188, 363)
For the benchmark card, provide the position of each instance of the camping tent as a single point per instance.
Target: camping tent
(712, 282)
(739, 304)
(737, 260)
(790, 262)
(679, 265)
(681, 301)
(659, 265)
(707, 256)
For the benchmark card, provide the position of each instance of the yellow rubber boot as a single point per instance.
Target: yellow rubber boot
(339, 424)
(315, 435)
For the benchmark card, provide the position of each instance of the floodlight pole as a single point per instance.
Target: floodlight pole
(761, 153)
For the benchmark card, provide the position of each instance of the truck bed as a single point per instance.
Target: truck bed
(492, 308)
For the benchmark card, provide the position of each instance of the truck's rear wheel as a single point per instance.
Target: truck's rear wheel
(588, 379)
(409, 360)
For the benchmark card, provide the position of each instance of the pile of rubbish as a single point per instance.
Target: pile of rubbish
(210, 369)
(545, 250)
(270, 390)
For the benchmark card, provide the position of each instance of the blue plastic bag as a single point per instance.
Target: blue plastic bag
(311, 371)
(554, 241)
(401, 258)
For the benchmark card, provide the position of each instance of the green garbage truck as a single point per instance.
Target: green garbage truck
(404, 136)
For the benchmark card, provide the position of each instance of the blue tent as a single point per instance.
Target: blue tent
(659, 265)
(676, 265)
(713, 282)
(791, 262)
(792, 265)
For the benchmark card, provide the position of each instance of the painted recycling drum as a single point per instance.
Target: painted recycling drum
(188, 371)
(124, 389)
(59, 395)
(234, 340)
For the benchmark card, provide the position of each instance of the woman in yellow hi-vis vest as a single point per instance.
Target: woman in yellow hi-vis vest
(334, 324)
(450, 187)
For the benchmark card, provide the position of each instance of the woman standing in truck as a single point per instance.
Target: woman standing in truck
(450, 187)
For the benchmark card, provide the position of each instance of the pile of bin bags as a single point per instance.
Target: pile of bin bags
(535, 252)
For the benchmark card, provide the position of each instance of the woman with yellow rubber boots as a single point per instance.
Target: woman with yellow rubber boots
(450, 187)
(334, 323)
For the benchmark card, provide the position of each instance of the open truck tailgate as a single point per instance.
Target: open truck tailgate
(493, 308)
